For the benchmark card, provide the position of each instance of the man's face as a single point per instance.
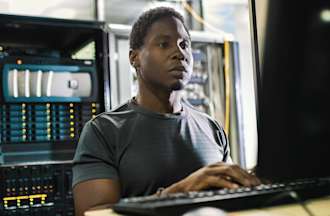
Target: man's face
(165, 59)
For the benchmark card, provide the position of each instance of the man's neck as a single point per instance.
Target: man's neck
(158, 100)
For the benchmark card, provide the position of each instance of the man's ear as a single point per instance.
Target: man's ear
(134, 58)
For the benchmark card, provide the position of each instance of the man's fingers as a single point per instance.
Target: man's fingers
(230, 173)
(220, 182)
(253, 180)
(233, 173)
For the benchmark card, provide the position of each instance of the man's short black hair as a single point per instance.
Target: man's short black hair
(144, 22)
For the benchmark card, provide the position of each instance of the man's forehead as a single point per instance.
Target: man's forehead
(158, 29)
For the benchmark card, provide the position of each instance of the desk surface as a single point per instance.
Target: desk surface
(319, 207)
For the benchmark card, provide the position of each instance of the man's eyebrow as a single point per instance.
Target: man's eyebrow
(164, 36)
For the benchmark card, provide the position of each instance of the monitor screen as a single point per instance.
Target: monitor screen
(294, 91)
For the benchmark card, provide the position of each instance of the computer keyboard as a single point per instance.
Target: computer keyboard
(227, 199)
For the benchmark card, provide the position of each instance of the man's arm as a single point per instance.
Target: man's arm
(91, 193)
(95, 178)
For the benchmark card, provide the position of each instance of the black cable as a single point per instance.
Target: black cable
(295, 196)
(289, 194)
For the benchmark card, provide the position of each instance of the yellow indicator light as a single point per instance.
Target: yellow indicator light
(37, 196)
(93, 104)
(93, 116)
(48, 111)
(71, 135)
(93, 110)
(71, 123)
(48, 130)
(23, 117)
(71, 110)
(71, 104)
(19, 61)
(71, 116)
(47, 105)
(9, 198)
(23, 105)
(23, 130)
(71, 129)
(23, 111)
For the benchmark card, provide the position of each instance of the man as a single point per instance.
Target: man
(156, 142)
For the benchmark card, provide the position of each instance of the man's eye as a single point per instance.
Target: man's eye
(184, 44)
(163, 44)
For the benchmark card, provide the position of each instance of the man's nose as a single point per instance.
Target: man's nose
(178, 54)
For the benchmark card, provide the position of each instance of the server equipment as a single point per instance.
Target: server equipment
(54, 78)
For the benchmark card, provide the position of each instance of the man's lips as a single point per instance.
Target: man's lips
(178, 74)
(178, 71)
(179, 68)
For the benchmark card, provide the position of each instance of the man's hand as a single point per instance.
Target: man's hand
(218, 175)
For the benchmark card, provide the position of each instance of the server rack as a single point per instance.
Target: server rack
(54, 77)
(214, 87)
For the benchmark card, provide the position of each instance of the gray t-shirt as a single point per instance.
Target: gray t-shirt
(145, 150)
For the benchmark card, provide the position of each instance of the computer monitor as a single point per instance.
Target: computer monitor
(294, 91)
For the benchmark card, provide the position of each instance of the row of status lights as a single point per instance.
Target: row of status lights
(72, 129)
(14, 202)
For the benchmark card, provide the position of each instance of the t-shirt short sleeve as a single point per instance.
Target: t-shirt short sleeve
(94, 157)
(222, 137)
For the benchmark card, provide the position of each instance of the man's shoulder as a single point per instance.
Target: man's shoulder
(200, 115)
(119, 114)
(196, 112)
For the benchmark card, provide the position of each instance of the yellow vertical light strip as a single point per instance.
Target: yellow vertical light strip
(93, 110)
(72, 135)
(227, 86)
